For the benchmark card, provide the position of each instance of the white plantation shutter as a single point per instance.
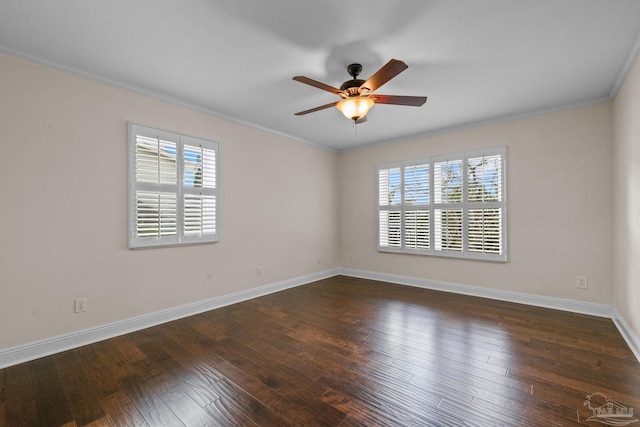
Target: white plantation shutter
(156, 160)
(156, 214)
(173, 190)
(451, 206)
(416, 200)
(389, 188)
(447, 195)
(416, 184)
(200, 190)
(416, 229)
(447, 177)
(390, 229)
(485, 201)
(484, 178)
(448, 230)
(485, 231)
(199, 215)
(389, 210)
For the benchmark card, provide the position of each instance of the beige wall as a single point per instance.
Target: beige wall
(63, 219)
(626, 189)
(559, 206)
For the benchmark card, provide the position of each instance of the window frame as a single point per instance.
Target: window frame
(465, 205)
(179, 189)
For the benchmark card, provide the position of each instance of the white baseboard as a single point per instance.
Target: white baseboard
(46, 347)
(35, 350)
(600, 310)
(625, 330)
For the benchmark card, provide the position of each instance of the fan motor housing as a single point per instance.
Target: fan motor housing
(355, 83)
(351, 86)
(356, 96)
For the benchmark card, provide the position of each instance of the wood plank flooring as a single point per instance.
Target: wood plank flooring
(337, 352)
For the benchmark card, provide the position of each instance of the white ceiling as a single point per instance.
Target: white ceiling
(476, 61)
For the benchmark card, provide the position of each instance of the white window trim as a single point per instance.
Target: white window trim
(179, 189)
(465, 205)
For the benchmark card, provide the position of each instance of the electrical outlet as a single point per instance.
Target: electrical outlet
(582, 282)
(259, 271)
(80, 305)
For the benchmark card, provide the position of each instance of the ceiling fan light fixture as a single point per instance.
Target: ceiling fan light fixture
(355, 108)
(358, 95)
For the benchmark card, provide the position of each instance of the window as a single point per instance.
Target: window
(173, 188)
(448, 206)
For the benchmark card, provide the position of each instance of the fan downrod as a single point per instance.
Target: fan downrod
(350, 86)
(354, 70)
(355, 91)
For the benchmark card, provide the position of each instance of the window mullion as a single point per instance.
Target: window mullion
(465, 206)
(180, 187)
(402, 208)
(432, 214)
(158, 161)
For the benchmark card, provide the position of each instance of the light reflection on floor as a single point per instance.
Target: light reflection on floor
(453, 360)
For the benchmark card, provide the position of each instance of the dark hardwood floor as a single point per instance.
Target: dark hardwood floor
(338, 352)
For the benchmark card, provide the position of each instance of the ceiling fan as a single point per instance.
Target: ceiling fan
(357, 95)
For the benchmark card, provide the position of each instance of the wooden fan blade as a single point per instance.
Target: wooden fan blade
(384, 74)
(319, 85)
(413, 101)
(312, 110)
